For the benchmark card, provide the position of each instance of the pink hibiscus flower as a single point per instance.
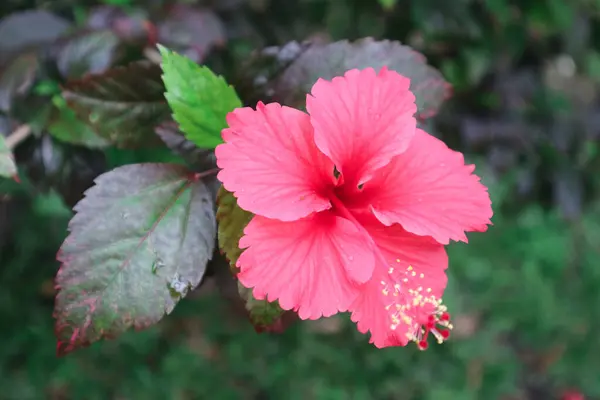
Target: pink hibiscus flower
(353, 206)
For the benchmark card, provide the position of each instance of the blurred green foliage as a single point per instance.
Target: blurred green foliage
(525, 296)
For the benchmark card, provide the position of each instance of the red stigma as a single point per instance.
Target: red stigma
(438, 325)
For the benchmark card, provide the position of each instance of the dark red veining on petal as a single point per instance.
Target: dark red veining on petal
(416, 307)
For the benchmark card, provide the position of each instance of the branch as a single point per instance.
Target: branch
(17, 136)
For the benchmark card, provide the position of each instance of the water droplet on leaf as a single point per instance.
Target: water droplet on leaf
(157, 264)
(178, 287)
(94, 117)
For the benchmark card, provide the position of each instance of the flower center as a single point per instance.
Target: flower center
(413, 306)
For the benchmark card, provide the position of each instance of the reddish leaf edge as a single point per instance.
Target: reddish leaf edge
(72, 345)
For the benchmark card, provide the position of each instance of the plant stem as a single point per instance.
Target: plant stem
(17, 136)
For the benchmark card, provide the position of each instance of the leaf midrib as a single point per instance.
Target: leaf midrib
(134, 251)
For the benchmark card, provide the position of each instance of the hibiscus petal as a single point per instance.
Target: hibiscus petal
(307, 264)
(362, 120)
(271, 163)
(430, 191)
(402, 294)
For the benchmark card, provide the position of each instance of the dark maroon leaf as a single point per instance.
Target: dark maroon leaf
(69, 170)
(191, 31)
(93, 52)
(132, 26)
(291, 71)
(28, 29)
(123, 105)
(259, 74)
(140, 240)
(67, 127)
(200, 159)
(16, 78)
(104, 17)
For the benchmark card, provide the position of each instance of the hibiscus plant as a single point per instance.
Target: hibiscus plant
(318, 189)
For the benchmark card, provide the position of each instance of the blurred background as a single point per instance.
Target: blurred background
(525, 296)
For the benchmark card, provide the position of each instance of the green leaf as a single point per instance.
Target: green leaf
(388, 4)
(139, 242)
(262, 313)
(122, 105)
(65, 126)
(200, 100)
(231, 223)
(286, 74)
(7, 163)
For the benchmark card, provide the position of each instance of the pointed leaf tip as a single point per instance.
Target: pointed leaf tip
(200, 99)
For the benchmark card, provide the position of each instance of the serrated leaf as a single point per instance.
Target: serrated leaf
(200, 100)
(139, 241)
(122, 105)
(286, 74)
(262, 313)
(7, 163)
(16, 78)
(231, 223)
(93, 52)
